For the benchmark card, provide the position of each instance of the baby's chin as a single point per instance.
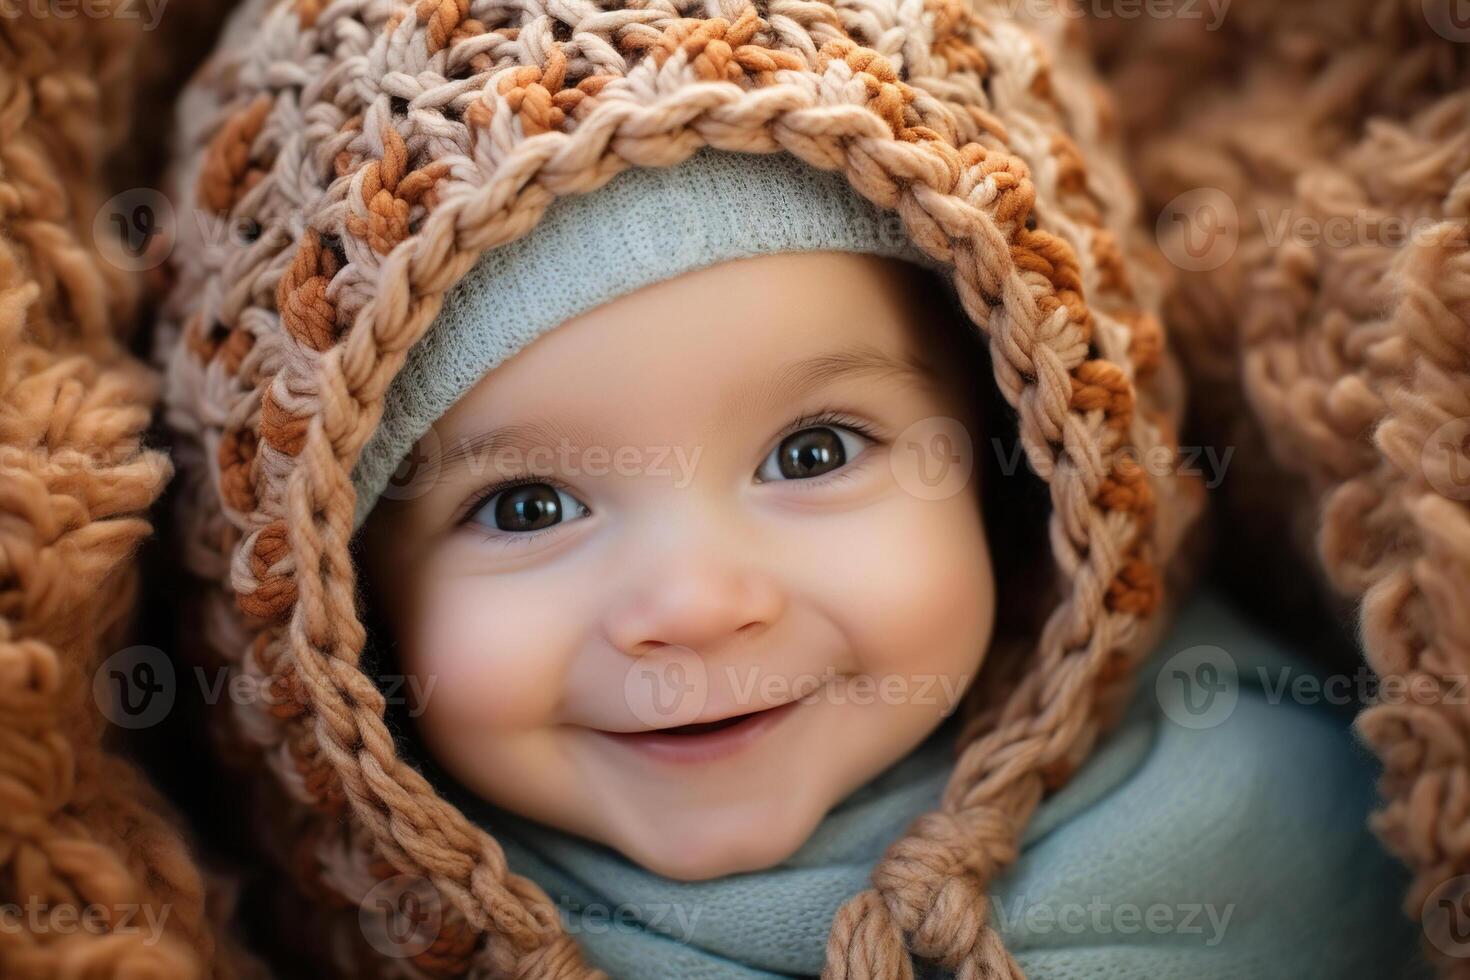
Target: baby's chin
(698, 844)
(747, 813)
(692, 822)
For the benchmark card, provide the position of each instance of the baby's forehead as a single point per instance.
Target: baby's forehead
(696, 358)
(789, 319)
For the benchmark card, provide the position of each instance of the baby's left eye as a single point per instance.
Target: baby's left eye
(811, 453)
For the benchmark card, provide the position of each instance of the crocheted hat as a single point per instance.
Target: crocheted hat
(645, 226)
(373, 151)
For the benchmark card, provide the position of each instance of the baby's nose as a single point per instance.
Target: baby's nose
(698, 605)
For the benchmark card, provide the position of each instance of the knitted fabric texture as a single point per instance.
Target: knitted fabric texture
(1332, 331)
(712, 208)
(375, 150)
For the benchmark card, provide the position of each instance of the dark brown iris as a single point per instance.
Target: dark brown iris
(809, 453)
(527, 508)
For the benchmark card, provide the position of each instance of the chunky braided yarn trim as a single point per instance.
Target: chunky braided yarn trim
(375, 149)
(1349, 360)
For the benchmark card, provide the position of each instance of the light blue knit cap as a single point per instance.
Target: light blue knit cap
(644, 226)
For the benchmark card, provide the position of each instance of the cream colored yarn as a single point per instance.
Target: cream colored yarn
(1346, 360)
(372, 150)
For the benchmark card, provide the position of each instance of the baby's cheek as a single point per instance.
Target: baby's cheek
(495, 656)
(922, 595)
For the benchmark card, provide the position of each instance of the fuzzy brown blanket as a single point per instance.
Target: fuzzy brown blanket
(1310, 166)
(96, 879)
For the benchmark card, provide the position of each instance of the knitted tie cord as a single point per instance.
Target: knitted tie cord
(370, 151)
(1332, 343)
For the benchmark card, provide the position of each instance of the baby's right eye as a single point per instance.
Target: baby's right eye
(528, 507)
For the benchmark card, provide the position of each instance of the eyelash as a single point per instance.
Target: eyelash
(500, 537)
(504, 540)
(828, 417)
(833, 417)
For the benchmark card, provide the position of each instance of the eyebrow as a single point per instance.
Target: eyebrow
(803, 377)
(789, 383)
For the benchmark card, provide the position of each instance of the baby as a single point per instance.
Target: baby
(768, 555)
(655, 557)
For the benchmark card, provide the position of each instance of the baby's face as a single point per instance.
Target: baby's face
(677, 584)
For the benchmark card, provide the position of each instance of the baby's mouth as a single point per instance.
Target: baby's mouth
(700, 728)
(706, 740)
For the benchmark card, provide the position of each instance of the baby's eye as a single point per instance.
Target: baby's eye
(811, 453)
(528, 507)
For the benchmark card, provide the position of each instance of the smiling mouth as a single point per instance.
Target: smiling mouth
(704, 741)
(704, 727)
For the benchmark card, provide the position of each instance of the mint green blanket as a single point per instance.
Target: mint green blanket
(1232, 844)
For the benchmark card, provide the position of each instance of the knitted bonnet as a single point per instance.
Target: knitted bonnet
(643, 227)
(362, 156)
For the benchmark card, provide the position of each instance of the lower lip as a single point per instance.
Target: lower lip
(707, 747)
